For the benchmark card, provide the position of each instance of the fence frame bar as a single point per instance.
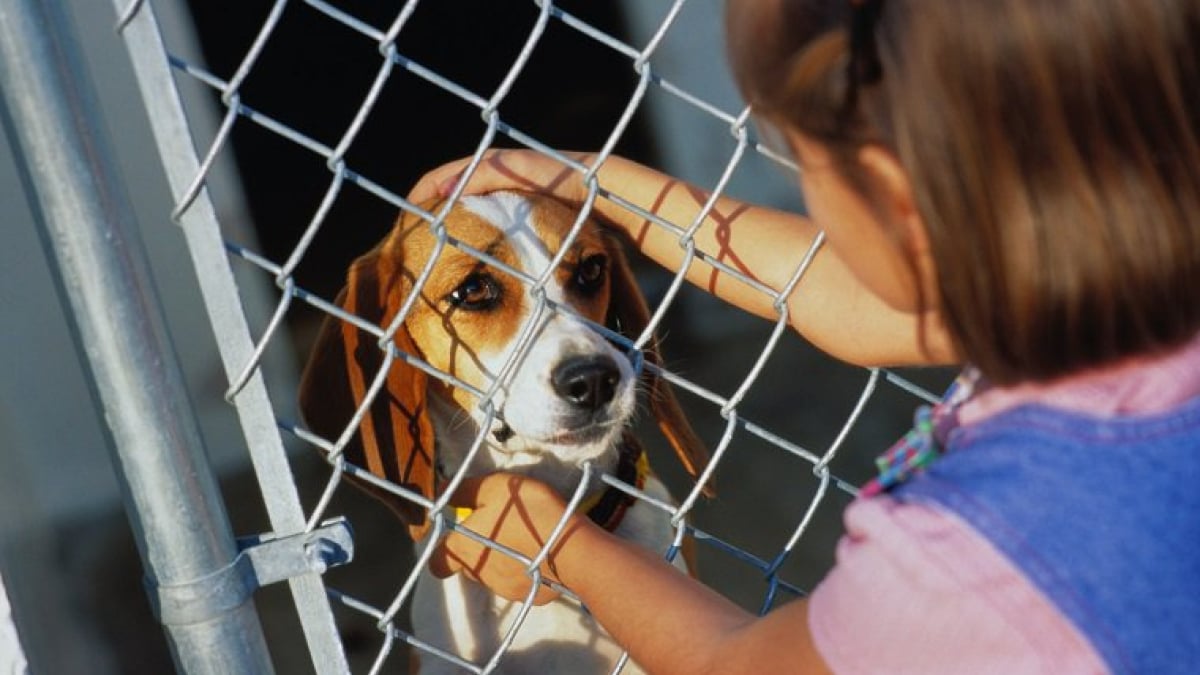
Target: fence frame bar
(87, 226)
(139, 30)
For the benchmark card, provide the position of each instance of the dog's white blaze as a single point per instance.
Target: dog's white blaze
(512, 213)
(501, 209)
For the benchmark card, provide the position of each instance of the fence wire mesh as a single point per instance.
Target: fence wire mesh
(333, 108)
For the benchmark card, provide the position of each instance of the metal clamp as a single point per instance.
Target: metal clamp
(261, 560)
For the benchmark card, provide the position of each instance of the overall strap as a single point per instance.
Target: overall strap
(1103, 516)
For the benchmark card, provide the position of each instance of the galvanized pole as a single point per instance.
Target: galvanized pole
(50, 115)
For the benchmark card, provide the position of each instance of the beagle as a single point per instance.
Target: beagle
(566, 399)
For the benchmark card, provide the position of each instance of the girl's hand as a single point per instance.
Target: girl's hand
(507, 169)
(517, 512)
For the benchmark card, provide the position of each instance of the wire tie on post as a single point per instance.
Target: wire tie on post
(261, 560)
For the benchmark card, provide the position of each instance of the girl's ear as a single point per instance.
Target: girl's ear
(894, 197)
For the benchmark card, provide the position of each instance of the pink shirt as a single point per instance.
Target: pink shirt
(916, 590)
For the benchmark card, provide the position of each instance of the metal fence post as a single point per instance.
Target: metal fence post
(49, 113)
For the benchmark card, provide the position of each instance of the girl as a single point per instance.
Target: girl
(1014, 186)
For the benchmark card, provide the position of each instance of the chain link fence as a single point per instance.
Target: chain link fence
(790, 431)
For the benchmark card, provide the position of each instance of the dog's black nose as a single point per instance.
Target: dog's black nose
(588, 382)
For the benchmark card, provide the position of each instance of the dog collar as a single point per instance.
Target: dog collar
(607, 509)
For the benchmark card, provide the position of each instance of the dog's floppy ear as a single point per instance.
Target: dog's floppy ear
(395, 439)
(629, 310)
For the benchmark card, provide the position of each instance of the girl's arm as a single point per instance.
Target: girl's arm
(669, 622)
(828, 306)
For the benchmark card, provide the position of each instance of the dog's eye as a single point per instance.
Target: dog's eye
(478, 292)
(590, 272)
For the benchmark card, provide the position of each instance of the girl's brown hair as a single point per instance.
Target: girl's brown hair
(1052, 146)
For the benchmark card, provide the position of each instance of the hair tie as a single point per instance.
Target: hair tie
(865, 67)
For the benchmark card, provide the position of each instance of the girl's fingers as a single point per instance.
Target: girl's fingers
(501, 510)
(501, 169)
(446, 186)
(455, 554)
(505, 576)
(469, 491)
(431, 185)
